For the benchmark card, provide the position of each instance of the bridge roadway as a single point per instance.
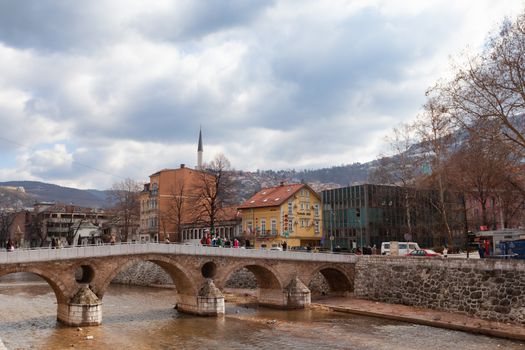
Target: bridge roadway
(79, 276)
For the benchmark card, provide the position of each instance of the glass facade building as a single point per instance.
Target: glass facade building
(368, 214)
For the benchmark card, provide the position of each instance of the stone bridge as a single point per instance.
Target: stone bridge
(80, 276)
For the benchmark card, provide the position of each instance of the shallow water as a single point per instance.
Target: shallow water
(144, 318)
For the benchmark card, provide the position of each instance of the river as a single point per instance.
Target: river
(143, 318)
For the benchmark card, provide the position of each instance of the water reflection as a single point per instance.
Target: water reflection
(144, 318)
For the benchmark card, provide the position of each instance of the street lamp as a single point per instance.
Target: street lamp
(332, 219)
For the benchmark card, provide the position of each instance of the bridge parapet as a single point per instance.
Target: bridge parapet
(46, 254)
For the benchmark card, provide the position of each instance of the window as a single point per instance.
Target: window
(263, 226)
(316, 223)
(290, 207)
(274, 227)
(249, 226)
(316, 210)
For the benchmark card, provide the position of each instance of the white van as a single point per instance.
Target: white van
(403, 248)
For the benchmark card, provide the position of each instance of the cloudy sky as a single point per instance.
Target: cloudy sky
(96, 91)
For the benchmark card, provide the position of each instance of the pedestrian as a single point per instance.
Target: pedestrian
(486, 243)
(445, 251)
(236, 243)
(208, 240)
(214, 242)
(481, 251)
(53, 243)
(285, 246)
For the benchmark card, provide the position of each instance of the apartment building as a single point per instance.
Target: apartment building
(166, 203)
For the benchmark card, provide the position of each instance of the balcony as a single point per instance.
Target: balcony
(267, 233)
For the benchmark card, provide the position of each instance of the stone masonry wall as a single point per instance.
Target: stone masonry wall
(488, 288)
(144, 273)
(147, 274)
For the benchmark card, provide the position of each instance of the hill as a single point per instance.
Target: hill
(36, 191)
(247, 183)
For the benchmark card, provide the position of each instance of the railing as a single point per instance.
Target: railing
(76, 252)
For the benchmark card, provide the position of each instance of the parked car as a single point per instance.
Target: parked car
(299, 249)
(276, 247)
(423, 252)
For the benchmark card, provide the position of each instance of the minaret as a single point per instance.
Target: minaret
(199, 151)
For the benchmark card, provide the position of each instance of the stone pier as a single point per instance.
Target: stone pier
(208, 302)
(294, 296)
(84, 309)
(297, 295)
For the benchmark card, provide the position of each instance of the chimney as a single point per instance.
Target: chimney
(182, 166)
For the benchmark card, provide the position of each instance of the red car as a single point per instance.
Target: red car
(423, 252)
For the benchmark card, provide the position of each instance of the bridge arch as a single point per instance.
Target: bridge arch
(266, 276)
(54, 281)
(338, 279)
(180, 276)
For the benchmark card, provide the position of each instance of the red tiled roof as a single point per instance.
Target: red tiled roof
(271, 196)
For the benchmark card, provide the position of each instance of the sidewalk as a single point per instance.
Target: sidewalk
(422, 316)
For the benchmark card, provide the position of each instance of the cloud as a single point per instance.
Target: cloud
(188, 20)
(50, 162)
(93, 93)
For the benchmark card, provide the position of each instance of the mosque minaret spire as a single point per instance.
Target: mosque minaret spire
(199, 151)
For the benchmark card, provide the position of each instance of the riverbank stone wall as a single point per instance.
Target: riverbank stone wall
(489, 288)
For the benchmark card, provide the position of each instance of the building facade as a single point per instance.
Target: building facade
(368, 214)
(61, 222)
(228, 225)
(288, 213)
(166, 203)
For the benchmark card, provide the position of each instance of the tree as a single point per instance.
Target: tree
(6, 221)
(487, 97)
(479, 168)
(511, 202)
(176, 209)
(124, 196)
(401, 168)
(214, 191)
(72, 225)
(436, 132)
(36, 228)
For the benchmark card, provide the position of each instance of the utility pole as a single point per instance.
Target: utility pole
(358, 216)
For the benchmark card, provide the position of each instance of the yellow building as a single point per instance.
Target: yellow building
(288, 213)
